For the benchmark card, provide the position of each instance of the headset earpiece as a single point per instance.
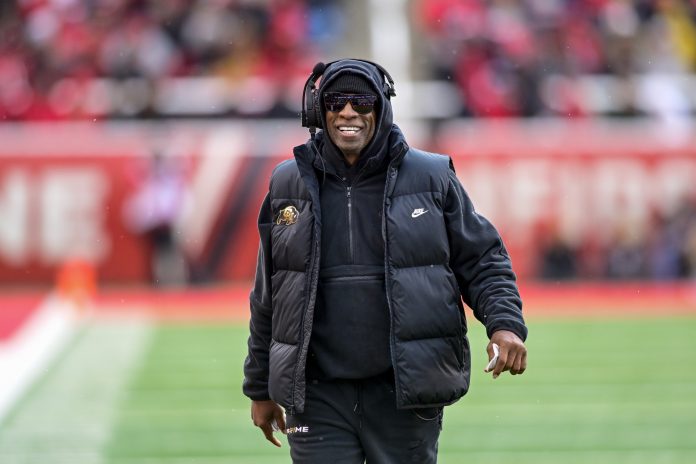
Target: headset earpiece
(312, 103)
(311, 116)
(388, 90)
(315, 120)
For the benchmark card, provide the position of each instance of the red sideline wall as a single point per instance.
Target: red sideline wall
(64, 187)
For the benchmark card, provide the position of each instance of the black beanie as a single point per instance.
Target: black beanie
(350, 83)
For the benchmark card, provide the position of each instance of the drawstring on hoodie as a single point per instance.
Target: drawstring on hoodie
(312, 133)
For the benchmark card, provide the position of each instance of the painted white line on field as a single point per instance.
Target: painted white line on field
(24, 356)
(70, 415)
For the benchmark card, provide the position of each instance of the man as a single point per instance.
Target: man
(367, 249)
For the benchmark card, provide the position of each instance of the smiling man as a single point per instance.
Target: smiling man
(368, 250)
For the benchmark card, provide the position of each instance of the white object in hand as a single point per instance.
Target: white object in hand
(496, 353)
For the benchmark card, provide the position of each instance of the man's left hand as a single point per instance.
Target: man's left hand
(513, 353)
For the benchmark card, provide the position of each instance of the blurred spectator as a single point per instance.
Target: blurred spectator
(152, 212)
(627, 254)
(685, 224)
(558, 260)
(666, 245)
(690, 253)
(592, 256)
(557, 257)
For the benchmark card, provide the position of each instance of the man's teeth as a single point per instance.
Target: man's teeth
(351, 129)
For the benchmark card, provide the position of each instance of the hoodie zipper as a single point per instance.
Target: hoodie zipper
(350, 222)
(349, 198)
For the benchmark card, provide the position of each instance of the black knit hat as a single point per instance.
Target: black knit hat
(350, 83)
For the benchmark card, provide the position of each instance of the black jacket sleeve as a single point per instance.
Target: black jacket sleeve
(482, 265)
(256, 364)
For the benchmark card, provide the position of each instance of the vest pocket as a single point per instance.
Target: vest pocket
(281, 364)
(288, 301)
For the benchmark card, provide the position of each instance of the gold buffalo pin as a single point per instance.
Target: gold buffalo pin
(288, 216)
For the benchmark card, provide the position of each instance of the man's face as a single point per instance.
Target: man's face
(350, 131)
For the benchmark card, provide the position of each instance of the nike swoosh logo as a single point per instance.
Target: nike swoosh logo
(417, 213)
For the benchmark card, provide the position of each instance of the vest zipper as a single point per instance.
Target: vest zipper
(313, 279)
(389, 183)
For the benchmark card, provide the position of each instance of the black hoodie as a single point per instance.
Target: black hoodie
(350, 337)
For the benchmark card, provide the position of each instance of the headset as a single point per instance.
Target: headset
(311, 112)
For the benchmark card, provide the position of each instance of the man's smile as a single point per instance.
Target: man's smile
(349, 130)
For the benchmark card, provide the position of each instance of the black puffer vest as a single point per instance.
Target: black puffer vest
(429, 349)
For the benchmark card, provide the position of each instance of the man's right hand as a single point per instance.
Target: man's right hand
(263, 413)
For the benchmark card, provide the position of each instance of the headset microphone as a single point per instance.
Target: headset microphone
(319, 68)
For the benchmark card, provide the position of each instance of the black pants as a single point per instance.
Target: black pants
(347, 422)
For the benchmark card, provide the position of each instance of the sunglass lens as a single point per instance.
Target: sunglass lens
(362, 104)
(334, 101)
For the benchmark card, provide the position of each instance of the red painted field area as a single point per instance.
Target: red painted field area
(15, 310)
(605, 299)
(540, 300)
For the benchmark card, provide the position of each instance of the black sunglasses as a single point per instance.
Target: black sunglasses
(336, 101)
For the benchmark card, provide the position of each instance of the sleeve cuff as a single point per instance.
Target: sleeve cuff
(256, 394)
(514, 326)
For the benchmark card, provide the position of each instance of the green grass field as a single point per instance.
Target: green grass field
(597, 391)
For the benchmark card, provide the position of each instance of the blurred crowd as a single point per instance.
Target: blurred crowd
(664, 248)
(84, 58)
(564, 57)
(150, 58)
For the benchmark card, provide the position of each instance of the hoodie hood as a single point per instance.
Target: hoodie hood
(384, 117)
